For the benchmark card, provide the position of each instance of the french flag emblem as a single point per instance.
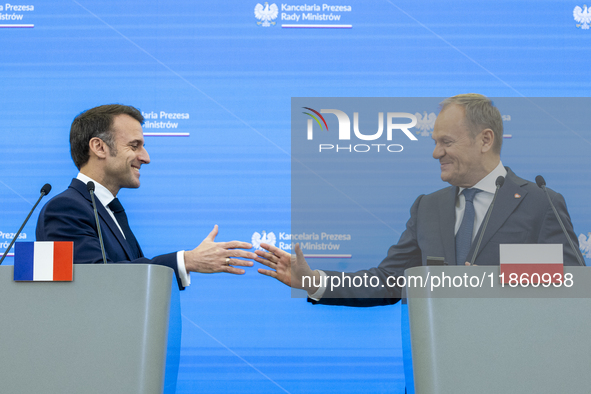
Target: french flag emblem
(43, 261)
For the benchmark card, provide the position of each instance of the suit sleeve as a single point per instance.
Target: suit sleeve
(67, 219)
(378, 284)
(551, 232)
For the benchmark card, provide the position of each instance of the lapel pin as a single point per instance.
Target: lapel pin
(517, 195)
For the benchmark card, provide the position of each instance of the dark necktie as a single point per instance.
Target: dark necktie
(121, 217)
(464, 235)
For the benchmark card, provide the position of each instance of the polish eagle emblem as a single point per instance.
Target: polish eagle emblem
(425, 123)
(266, 14)
(267, 238)
(583, 16)
(585, 244)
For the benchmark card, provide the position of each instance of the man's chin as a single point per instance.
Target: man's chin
(449, 179)
(133, 185)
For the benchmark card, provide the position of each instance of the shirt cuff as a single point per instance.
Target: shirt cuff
(320, 292)
(184, 276)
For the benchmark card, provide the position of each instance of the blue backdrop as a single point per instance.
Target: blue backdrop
(226, 160)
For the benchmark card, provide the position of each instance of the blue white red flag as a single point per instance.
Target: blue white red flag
(43, 261)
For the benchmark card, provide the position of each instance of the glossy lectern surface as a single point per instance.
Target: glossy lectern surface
(105, 332)
(495, 339)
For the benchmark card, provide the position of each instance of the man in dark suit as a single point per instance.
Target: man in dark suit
(107, 146)
(468, 136)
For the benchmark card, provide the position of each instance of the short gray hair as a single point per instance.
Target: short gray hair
(480, 114)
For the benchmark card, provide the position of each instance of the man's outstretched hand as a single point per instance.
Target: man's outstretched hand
(287, 268)
(211, 257)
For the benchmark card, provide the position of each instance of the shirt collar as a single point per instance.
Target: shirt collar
(488, 183)
(101, 192)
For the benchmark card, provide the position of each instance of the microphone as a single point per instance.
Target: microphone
(541, 182)
(499, 183)
(44, 191)
(90, 188)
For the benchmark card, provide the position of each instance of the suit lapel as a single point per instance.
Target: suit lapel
(505, 204)
(107, 220)
(447, 222)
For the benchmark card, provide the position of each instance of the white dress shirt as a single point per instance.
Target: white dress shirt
(105, 197)
(482, 201)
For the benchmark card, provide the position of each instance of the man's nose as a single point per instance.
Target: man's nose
(438, 152)
(144, 156)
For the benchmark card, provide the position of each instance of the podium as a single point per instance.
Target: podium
(498, 339)
(105, 332)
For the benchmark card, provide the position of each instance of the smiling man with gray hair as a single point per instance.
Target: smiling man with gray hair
(468, 137)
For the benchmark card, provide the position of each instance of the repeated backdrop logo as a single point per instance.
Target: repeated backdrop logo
(303, 16)
(320, 244)
(15, 16)
(425, 123)
(6, 239)
(267, 238)
(334, 16)
(266, 14)
(582, 16)
(165, 124)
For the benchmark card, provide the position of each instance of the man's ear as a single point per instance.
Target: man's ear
(487, 136)
(98, 148)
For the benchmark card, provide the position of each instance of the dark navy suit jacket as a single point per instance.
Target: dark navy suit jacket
(69, 216)
(521, 215)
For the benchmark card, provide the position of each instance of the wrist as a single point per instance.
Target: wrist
(190, 260)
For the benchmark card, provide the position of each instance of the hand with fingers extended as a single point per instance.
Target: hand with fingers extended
(211, 257)
(287, 268)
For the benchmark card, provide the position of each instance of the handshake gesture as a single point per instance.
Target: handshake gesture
(287, 268)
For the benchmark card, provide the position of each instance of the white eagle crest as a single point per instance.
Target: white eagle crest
(425, 123)
(585, 244)
(582, 16)
(266, 14)
(268, 238)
